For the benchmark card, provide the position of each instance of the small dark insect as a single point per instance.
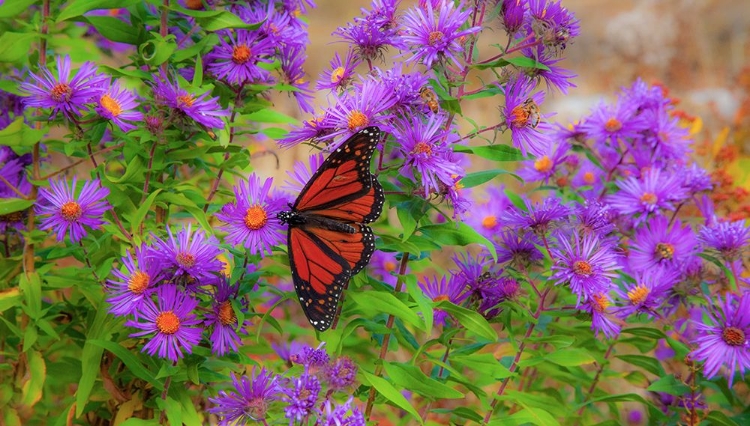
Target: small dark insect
(430, 99)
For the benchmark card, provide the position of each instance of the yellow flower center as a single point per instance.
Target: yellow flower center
(435, 37)
(649, 198)
(489, 222)
(71, 211)
(422, 148)
(581, 267)
(665, 250)
(186, 260)
(110, 104)
(357, 120)
(241, 54)
(543, 164)
(588, 178)
(185, 100)
(138, 282)
(167, 322)
(612, 125)
(256, 217)
(638, 294)
(61, 92)
(226, 314)
(733, 336)
(337, 74)
(600, 302)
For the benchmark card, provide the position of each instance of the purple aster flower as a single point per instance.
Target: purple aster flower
(13, 185)
(383, 14)
(598, 306)
(301, 173)
(428, 150)
(66, 212)
(368, 39)
(587, 265)
(663, 246)
(589, 175)
(435, 36)
(518, 248)
(522, 117)
(316, 128)
(62, 93)
(728, 238)
(116, 104)
(484, 217)
(223, 318)
(644, 96)
(131, 288)
(613, 123)
(287, 351)
(192, 257)
(340, 374)
(665, 136)
(251, 219)
(169, 322)
(724, 338)
(356, 110)
(538, 216)
(512, 15)
(647, 293)
(235, 59)
(337, 415)
(408, 89)
(204, 111)
(311, 357)
(553, 24)
(250, 399)
(695, 178)
(301, 398)
(292, 60)
(554, 77)
(441, 289)
(384, 265)
(545, 165)
(341, 73)
(655, 191)
(594, 217)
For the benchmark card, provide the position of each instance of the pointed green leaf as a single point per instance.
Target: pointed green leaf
(410, 377)
(669, 384)
(471, 320)
(374, 302)
(496, 152)
(457, 234)
(390, 393)
(648, 363)
(570, 357)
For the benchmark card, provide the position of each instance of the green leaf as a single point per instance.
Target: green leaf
(499, 63)
(382, 302)
(115, 29)
(650, 364)
(570, 357)
(31, 391)
(471, 320)
(10, 205)
(462, 412)
(485, 364)
(12, 8)
(529, 415)
(198, 72)
(267, 116)
(410, 377)
(647, 332)
(158, 50)
(19, 133)
(669, 384)
(525, 62)
(457, 234)
(172, 408)
(131, 361)
(15, 46)
(390, 393)
(140, 214)
(189, 205)
(409, 213)
(496, 152)
(31, 286)
(720, 419)
(720, 264)
(224, 20)
(136, 167)
(79, 7)
(478, 178)
(424, 303)
(9, 298)
(623, 397)
(91, 357)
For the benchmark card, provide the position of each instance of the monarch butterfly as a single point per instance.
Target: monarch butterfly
(328, 240)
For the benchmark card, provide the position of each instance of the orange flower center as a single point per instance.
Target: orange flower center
(111, 105)
(337, 74)
(256, 217)
(226, 314)
(581, 267)
(588, 178)
(167, 322)
(422, 148)
(543, 164)
(390, 266)
(649, 198)
(489, 222)
(241, 54)
(440, 298)
(194, 4)
(612, 125)
(357, 120)
(61, 92)
(638, 294)
(665, 250)
(138, 282)
(519, 116)
(435, 37)
(733, 336)
(71, 211)
(185, 100)
(186, 260)
(601, 303)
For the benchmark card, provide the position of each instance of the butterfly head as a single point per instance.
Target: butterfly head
(291, 217)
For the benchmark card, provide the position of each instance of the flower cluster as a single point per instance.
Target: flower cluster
(310, 395)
